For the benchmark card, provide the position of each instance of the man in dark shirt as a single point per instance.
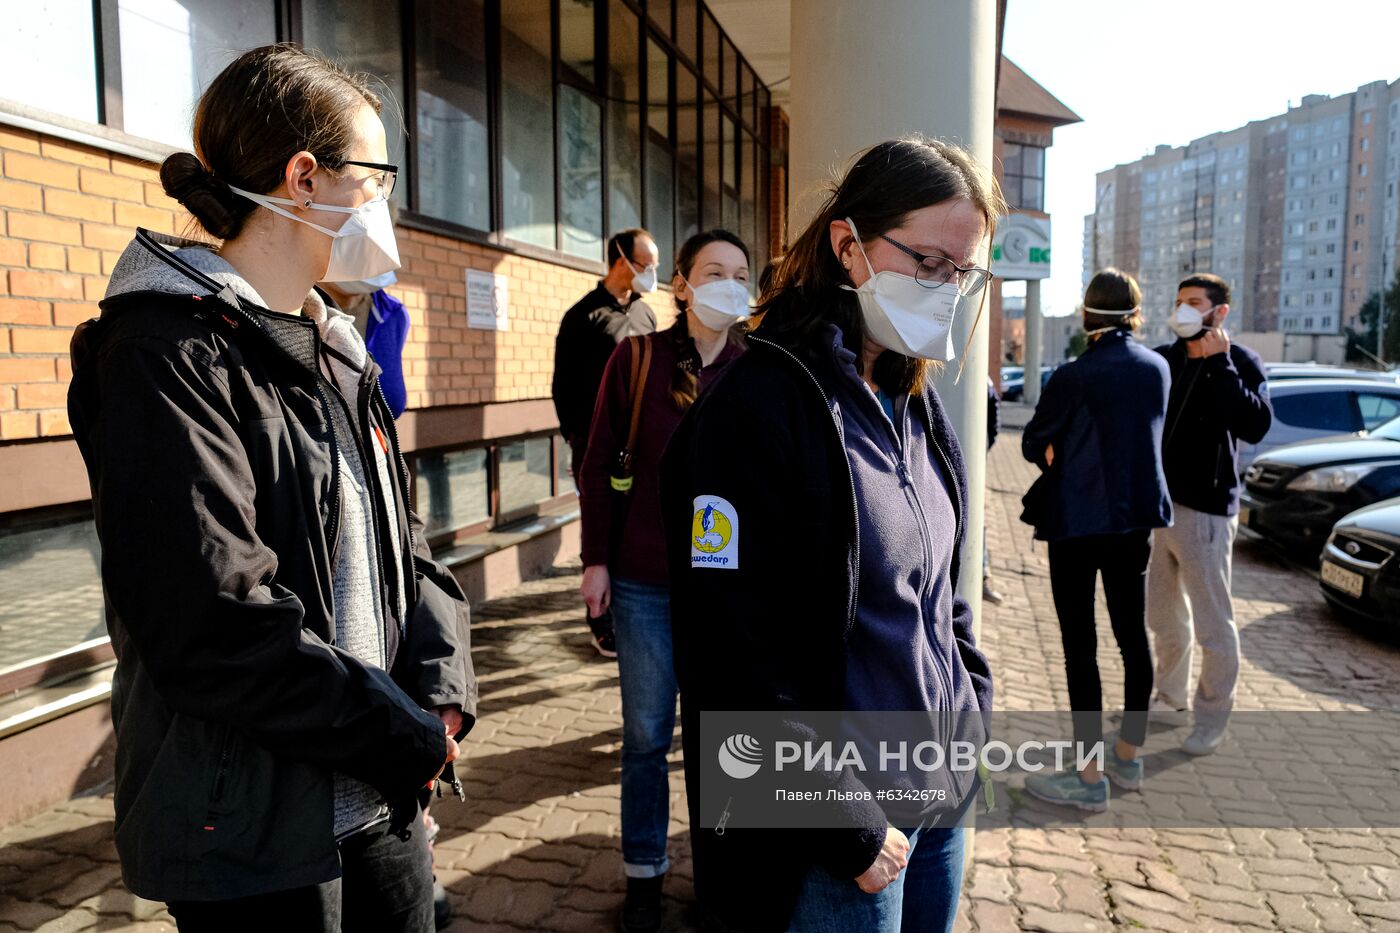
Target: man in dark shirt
(588, 334)
(1218, 398)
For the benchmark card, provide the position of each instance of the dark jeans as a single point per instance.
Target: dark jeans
(386, 886)
(1075, 563)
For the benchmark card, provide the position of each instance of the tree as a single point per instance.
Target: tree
(1364, 339)
(1368, 317)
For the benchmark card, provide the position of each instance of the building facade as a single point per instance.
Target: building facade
(1293, 211)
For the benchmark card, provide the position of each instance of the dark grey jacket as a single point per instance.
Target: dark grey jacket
(210, 439)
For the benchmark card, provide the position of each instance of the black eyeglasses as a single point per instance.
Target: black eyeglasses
(389, 175)
(935, 271)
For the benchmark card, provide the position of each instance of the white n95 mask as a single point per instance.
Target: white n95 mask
(368, 286)
(363, 248)
(904, 316)
(1187, 323)
(719, 304)
(643, 282)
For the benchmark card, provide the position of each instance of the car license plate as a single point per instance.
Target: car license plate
(1339, 577)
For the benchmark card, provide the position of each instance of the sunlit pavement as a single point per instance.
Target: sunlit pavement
(536, 845)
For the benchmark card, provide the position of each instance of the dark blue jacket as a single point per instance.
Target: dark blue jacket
(772, 631)
(1103, 413)
(1216, 402)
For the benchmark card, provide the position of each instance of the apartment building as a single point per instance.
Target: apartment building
(1298, 212)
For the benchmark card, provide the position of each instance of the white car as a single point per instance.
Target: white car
(1309, 408)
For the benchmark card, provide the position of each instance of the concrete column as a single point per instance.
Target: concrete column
(866, 72)
(1034, 328)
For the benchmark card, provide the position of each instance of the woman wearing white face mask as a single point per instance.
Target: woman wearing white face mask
(263, 573)
(649, 384)
(827, 453)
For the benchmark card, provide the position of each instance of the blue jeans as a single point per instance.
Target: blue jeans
(924, 897)
(642, 625)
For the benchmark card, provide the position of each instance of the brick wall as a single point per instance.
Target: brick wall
(69, 210)
(445, 363)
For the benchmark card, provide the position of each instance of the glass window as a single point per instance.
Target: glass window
(366, 36)
(658, 90)
(710, 47)
(624, 92)
(48, 57)
(454, 157)
(661, 216)
(729, 145)
(710, 199)
(1023, 175)
(1322, 411)
(729, 74)
(659, 12)
(53, 591)
(451, 490)
(171, 51)
(577, 40)
(525, 473)
(564, 474)
(580, 173)
(687, 26)
(527, 124)
(1376, 410)
(748, 203)
(687, 156)
(761, 101)
(746, 96)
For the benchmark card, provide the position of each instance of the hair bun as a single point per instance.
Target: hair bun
(211, 202)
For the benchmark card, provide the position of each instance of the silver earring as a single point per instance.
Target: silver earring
(306, 203)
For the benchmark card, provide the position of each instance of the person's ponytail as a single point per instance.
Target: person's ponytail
(218, 210)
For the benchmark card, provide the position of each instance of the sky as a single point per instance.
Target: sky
(1142, 73)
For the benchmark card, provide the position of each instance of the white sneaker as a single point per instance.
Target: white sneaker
(1159, 710)
(1203, 740)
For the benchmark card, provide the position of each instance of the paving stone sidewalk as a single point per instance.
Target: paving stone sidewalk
(536, 847)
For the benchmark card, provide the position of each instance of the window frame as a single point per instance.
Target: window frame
(560, 491)
(736, 76)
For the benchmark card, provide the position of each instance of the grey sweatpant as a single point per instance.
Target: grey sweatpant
(1188, 600)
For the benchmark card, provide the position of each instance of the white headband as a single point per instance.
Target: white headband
(1088, 310)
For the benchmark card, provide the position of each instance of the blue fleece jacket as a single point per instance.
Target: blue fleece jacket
(907, 530)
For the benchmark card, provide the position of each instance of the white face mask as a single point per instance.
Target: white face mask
(643, 282)
(363, 247)
(368, 286)
(719, 304)
(904, 316)
(1187, 322)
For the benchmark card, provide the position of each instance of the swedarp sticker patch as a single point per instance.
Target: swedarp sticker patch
(714, 534)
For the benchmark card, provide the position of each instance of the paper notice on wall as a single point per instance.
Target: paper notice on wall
(488, 305)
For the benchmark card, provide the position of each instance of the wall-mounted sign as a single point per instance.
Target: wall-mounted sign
(1021, 248)
(488, 304)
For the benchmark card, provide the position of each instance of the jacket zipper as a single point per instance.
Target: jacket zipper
(389, 601)
(221, 772)
(850, 479)
(955, 500)
(411, 579)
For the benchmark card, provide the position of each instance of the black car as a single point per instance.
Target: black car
(1360, 566)
(1294, 494)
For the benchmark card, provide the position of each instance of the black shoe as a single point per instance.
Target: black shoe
(642, 911)
(603, 638)
(442, 907)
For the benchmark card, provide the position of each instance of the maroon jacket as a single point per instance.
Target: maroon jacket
(641, 555)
